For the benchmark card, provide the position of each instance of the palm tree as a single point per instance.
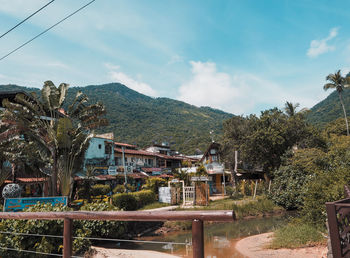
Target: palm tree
(290, 108)
(63, 137)
(338, 82)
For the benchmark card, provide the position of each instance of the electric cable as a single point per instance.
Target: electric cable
(37, 36)
(26, 19)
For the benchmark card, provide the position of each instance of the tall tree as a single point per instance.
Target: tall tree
(338, 82)
(40, 120)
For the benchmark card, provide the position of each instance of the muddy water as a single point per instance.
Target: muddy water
(220, 238)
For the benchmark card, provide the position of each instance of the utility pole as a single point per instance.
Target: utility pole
(123, 157)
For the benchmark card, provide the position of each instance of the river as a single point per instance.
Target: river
(220, 238)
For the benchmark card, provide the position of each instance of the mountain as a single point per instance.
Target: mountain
(138, 119)
(329, 109)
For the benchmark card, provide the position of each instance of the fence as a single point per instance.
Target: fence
(338, 214)
(197, 218)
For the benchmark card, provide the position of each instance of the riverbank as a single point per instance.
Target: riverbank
(257, 246)
(100, 252)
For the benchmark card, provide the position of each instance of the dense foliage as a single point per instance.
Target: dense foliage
(133, 201)
(136, 118)
(81, 228)
(262, 141)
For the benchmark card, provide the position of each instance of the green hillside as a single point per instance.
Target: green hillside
(329, 109)
(138, 119)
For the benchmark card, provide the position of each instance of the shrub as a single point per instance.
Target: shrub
(124, 201)
(102, 228)
(119, 189)
(100, 189)
(44, 227)
(154, 183)
(144, 197)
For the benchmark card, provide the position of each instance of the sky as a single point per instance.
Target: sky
(238, 56)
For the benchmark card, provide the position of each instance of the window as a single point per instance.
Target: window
(100, 146)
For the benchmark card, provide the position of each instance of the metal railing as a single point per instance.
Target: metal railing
(197, 218)
(338, 214)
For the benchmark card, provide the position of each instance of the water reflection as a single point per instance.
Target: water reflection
(220, 238)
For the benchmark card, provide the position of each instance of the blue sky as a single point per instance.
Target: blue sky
(238, 56)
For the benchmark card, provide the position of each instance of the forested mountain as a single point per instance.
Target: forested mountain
(329, 109)
(138, 119)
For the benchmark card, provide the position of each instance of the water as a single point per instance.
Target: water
(220, 238)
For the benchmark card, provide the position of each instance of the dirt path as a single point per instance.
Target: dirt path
(100, 252)
(255, 246)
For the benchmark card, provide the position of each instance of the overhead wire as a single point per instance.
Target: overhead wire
(37, 36)
(14, 27)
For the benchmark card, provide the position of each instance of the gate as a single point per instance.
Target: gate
(189, 195)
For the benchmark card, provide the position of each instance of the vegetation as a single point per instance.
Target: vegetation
(60, 141)
(296, 235)
(262, 141)
(133, 201)
(142, 120)
(338, 82)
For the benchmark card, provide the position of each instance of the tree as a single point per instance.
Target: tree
(338, 82)
(62, 136)
(262, 141)
(290, 108)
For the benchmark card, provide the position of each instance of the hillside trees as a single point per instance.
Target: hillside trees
(61, 136)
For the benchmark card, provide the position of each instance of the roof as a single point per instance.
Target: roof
(135, 152)
(211, 146)
(125, 144)
(148, 170)
(109, 136)
(28, 180)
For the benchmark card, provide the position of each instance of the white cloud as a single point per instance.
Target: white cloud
(131, 83)
(318, 47)
(239, 93)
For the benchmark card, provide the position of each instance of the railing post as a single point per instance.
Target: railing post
(333, 230)
(197, 238)
(67, 238)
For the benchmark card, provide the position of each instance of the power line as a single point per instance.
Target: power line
(37, 36)
(26, 19)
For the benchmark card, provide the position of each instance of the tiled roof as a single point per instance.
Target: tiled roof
(151, 169)
(29, 180)
(125, 144)
(135, 152)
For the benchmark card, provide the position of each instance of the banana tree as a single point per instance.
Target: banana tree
(40, 120)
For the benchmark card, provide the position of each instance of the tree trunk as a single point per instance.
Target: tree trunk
(53, 191)
(346, 118)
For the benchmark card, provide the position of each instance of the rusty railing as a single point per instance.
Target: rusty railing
(197, 218)
(338, 214)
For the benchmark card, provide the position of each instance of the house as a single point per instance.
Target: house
(215, 168)
(133, 157)
(100, 153)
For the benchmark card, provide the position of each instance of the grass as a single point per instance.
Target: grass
(154, 205)
(295, 235)
(243, 208)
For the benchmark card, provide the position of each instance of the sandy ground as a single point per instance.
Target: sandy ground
(123, 253)
(255, 246)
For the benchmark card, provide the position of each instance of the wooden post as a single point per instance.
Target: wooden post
(333, 230)
(197, 238)
(67, 238)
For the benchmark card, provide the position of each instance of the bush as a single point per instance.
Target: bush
(154, 183)
(144, 197)
(119, 189)
(45, 227)
(124, 201)
(100, 189)
(102, 228)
